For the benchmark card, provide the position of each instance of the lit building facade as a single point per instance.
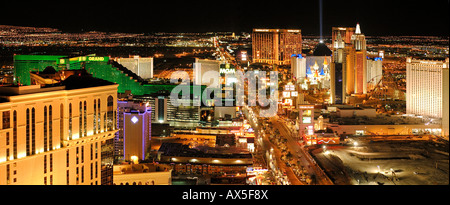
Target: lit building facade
(275, 46)
(359, 45)
(374, 72)
(134, 135)
(318, 67)
(312, 71)
(427, 89)
(306, 117)
(163, 111)
(204, 68)
(141, 66)
(59, 135)
(215, 162)
(345, 33)
(298, 67)
(337, 71)
(98, 66)
(349, 67)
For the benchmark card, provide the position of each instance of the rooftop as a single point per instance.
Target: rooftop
(178, 149)
(72, 82)
(386, 120)
(80, 81)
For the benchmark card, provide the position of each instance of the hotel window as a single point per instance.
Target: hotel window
(33, 131)
(110, 110)
(50, 127)
(28, 132)
(82, 154)
(78, 151)
(8, 173)
(99, 116)
(6, 119)
(95, 117)
(67, 158)
(80, 127)
(15, 134)
(82, 174)
(45, 164)
(104, 122)
(7, 138)
(51, 162)
(70, 121)
(85, 119)
(67, 177)
(61, 124)
(7, 154)
(92, 150)
(45, 129)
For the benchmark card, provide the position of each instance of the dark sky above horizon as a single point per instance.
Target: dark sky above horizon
(380, 17)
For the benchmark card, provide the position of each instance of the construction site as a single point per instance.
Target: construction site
(395, 160)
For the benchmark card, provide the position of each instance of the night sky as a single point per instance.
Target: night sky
(381, 17)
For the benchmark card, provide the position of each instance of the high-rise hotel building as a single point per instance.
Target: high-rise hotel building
(275, 46)
(346, 34)
(341, 76)
(337, 71)
(374, 72)
(360, 67)
(58, 135)
(427, 89)
(141, 66)
(134, 123)
(348, 71)
(298, 68)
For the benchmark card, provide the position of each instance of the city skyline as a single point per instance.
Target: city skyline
(397, 18)
(235, 93)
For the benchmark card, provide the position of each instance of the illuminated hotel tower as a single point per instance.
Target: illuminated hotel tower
(427, 89)
(337, 73)
(275, 46)
(298, 68)
(342, 67)
(360, 74)
(143, 67)
(345, 32)
(59, 135)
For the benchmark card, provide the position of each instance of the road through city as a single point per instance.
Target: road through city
(299, 154)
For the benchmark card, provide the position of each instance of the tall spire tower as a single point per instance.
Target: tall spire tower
(360, 65)
(359, 39)
(358, 29)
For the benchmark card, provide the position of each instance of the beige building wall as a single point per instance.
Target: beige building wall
(152, 178)
(275, 46)
(142, 174)
(445, 106)
(65, 160)
(424, 87)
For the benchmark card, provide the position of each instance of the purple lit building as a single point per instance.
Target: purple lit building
(133, 138)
